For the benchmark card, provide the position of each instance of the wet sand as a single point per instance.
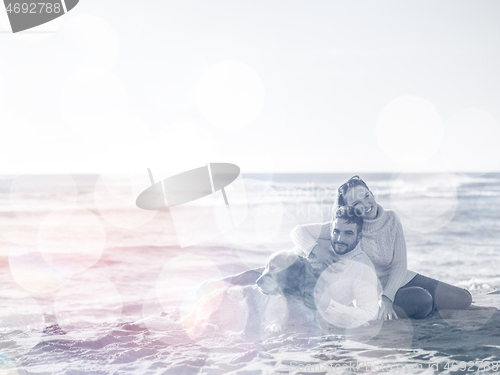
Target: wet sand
(444, 343)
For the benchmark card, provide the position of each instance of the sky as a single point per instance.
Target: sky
(118, 86)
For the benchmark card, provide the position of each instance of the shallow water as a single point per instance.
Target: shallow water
(92, 284)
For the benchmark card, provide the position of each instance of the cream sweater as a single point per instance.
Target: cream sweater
(346, 292)
(383, 241)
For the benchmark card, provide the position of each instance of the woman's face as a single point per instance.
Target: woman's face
(362, 199)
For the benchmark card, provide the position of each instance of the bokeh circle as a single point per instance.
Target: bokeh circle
(115, 199)
(31, 271)
(7, 365)
(337, 287)
(87, 300)
(34, 197)
(179, 283)
(264, 215)
(71, 239)
(23, 322)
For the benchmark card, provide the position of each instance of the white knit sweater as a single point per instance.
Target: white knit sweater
(383, 241)
(346, 292)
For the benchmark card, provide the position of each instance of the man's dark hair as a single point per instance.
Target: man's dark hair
(350, 215)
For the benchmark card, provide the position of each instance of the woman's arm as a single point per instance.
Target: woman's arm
(305, 237)
(398, 266)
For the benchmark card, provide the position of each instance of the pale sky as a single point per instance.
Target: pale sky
(272, 86)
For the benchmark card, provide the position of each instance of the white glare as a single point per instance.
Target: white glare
(94, 40)
(2, 88)
(88, 94)
(409, 130)
(179, 147)
(230, 95)
(471, 141)
(18, 136)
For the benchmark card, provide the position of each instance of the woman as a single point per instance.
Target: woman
(404, 293)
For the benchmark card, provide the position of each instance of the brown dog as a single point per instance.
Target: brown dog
(275, 301)
(289, 274)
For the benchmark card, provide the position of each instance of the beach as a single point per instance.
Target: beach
(91, 284)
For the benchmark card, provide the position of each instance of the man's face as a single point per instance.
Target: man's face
(345, 236)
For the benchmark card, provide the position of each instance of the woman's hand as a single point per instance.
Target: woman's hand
(386, 311)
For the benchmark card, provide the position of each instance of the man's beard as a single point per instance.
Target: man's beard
(346, 247)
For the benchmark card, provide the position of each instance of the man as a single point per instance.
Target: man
(346, 292)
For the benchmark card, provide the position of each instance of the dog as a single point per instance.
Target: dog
(282, 296)
(292, 278)
(288, 274)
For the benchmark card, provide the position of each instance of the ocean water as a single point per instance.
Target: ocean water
(93, 284)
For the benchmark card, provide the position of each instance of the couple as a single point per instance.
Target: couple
(381, 239)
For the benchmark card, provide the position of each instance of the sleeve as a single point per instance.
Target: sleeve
(305, 237)
(398, 265)
(365, 301)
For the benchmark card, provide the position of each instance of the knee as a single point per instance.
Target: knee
(426, 303)
(465, 298)
(452, 297)
(462, 299)
(416, 302)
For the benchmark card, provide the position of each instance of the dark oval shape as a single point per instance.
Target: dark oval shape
(36, 13)
(152, 198)
(187, 186)
(223, 174)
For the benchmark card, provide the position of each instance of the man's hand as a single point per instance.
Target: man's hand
(386, 311)
(310, 303)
